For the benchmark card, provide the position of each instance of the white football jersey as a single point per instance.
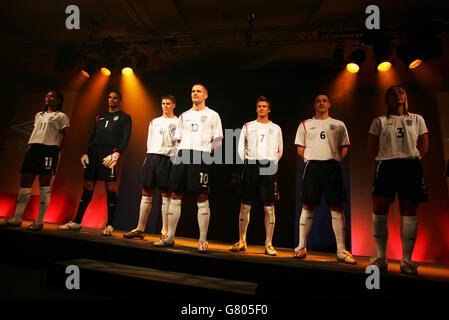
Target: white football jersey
(322, 139)
(47, 128)
(161, 135)
(398, 135)
(260, 141)
(198, 129)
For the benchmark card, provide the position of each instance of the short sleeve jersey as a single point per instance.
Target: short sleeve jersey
(47, 128)
(161, 135)
(198, 129)
(260, 141)
(398, 135)
(322, 139)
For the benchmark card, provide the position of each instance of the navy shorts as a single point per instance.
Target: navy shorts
(401, 176)
(40, 159)
(156, 171)
(254, 184)
(189, 172)
(95, 170)
(323, 177)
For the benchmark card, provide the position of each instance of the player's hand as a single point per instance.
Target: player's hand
(84, 160)
(111, 160)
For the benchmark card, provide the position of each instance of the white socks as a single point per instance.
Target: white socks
(305, 224)
(339, 227)
(173, 214)
(245, 210)
(269, 224)
(380, 233)
(144, 211)
(22, 201)
(409, 231)
(164, 211)
(44, 200)
(203, 219)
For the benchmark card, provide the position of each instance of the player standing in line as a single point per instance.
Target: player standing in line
(107, 142)
(41, 158)
(200, 132)
(260, 147)
(157, 165)
(323, 142)
(397, 141)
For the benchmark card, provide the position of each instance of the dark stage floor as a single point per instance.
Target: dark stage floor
(34, 263)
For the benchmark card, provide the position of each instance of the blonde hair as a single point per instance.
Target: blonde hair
(390, 109)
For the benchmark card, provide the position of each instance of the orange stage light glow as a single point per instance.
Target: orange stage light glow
(415, 64)
(85, 73)
(105, 71)
(384, 66)
(352, 67)
(127, 71)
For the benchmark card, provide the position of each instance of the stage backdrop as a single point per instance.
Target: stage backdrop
(356, 99)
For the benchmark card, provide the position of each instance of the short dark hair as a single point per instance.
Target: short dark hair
(169, 97)
(59, 96)
(117, 92)
(322, 93)
(200, 84)
(263, 98)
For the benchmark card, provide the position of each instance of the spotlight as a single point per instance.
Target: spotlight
(355, 60)
(382, 49)
(126, 65)
(409, 55)
(108, 66)
(90, 67)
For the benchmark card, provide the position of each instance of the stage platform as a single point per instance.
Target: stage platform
(118, 268)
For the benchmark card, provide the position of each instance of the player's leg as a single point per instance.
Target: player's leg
(86, 197)
(203, 216)
(111, 200)
(176, 183)
(269, 227)
(244, 217)
(381, 206)
(339, 227)
(310, 196)
(165, 193)
(305, 224)
(173, 215)
(44, 201)
(144, 211)
(26, 182)
(409, 232)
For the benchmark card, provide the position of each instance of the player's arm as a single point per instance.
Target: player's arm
(301, 151)
(373, 145)
(280, 145)
(423, 144)
(343, 152)
(126, 135)
(64, 136)
(241, 149)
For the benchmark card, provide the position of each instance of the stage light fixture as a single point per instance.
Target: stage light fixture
(141, 61)
(409, 55)
(109, 66)
(382, 49)
(339, 56)
(67, 58)
(90, 67)
(126, 65)
(355, 60)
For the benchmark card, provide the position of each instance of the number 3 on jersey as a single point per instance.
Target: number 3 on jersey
(400, 132)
